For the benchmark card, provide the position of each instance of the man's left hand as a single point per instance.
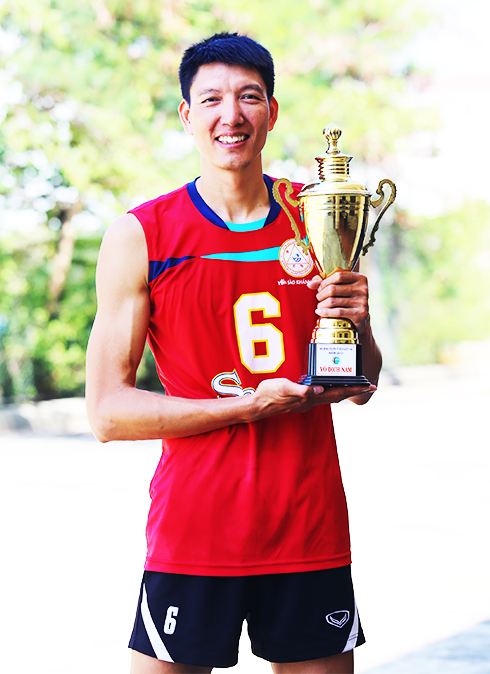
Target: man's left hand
(343, 294)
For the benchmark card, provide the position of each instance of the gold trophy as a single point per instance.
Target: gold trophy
(335, 211)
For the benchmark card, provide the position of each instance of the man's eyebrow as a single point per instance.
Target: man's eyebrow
(253, 87)
(246, 87)
(203, 92)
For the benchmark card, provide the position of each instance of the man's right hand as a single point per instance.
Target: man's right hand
(276, 396)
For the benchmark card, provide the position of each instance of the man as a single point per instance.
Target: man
(248, 516)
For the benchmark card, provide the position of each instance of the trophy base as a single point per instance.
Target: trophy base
(319, 380)
(325, 359)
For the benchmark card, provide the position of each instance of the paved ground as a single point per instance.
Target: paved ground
(465, 653)
(74, 511)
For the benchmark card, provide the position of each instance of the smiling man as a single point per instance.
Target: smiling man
(248, 519)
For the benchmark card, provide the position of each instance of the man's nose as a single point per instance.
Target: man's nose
(231, 113)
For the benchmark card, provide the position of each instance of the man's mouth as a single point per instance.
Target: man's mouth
(230, 140)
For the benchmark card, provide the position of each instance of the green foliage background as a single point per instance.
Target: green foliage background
(88, 98)
(436, 277)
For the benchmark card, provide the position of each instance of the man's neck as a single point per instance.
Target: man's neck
(236, 196)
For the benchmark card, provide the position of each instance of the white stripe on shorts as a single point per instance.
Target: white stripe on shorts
(354, 633)
(152, 632)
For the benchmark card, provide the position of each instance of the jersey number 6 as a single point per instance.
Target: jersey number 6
(261, 345)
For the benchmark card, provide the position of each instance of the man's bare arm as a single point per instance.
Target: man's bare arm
(117, 410)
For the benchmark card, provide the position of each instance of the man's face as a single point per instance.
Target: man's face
(229, 116)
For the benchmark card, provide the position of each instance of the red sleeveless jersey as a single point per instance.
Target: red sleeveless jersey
(228, 310)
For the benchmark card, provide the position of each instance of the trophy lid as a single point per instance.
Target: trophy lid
(333, 170)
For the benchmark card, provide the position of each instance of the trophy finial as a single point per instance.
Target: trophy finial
(333, 165)
(332, 134)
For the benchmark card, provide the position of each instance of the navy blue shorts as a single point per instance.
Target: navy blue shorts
(197, 620)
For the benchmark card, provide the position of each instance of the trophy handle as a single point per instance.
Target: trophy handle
(375, 204)
(293, 202)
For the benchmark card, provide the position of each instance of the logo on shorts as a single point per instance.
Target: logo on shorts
(337, 618)
(295, 261)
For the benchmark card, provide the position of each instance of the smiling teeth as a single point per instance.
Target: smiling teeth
(231, 139)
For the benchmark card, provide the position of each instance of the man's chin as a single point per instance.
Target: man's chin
(237, 163)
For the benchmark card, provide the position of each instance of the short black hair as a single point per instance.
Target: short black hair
(231, 49)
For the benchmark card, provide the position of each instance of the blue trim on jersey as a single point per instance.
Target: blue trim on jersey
(213, 217)
(265, 255)
(157, 267)
(202, 206)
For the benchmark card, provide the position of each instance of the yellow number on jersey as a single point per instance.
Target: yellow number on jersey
(261, 344)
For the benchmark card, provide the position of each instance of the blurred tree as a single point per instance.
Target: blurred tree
(88, 98)
(436, 273)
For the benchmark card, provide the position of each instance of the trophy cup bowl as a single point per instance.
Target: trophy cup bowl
(335, 212)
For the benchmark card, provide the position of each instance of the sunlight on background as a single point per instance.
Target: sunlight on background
(455, 52)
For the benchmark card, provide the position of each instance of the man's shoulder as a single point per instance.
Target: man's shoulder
(162, 202)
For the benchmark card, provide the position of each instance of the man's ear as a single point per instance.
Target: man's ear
(184, 111)
(273, 113)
